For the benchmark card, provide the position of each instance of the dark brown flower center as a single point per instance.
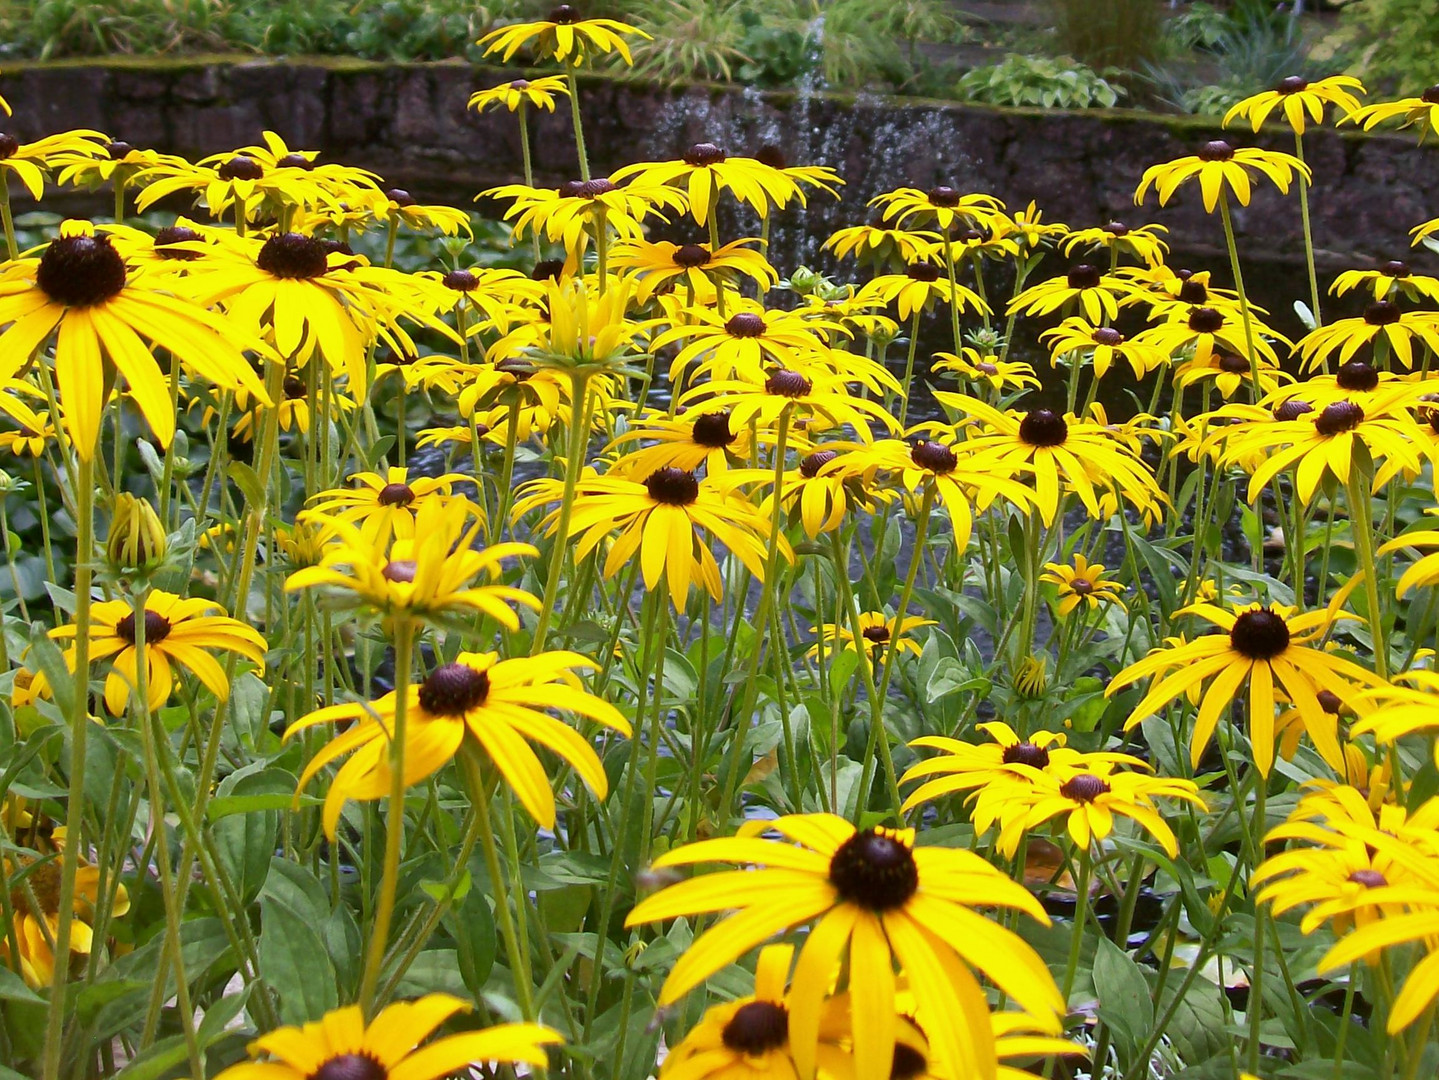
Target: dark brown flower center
(1292, 85)
(1329, 701)
(1216, 150)
(517, 368)
(157, 628)
(1206, 320)
(1357, 375)
(548, 269)
(396, 495)
(1194, 292)
(295, 161)
(1117, 228)
(923, 270)
(673, 487)
(117, 149)
(1043, 427)
(241, 167)
(878, 635)
(690, 255)
(786, 383)
(907, 1063)
(565, 15)
(293, 256)
(1394, 268)
(401, 571)
(44, 882)
(757, 1027)
(1292, 409)
(1083, 276)
(400, 197)
(586, 189)
(943, 196)
(1261, 634)
(350, 1067)
(713, 430)
(811, 464)
(744, 325)
(984, 367)
(1081, 586)
(460, 280)
(705, 153)
(8, 145)
(934, 456)
(1084, 787)
(1026, 753)
(1382, 313)
(1370, 879)
(81, 271)
(1107, 335)
(1233, 363)
(874, 870)
(454, 689)
(1430, 95)
(1340, 417)
(176, 234)
(294, 388)
(771, 155)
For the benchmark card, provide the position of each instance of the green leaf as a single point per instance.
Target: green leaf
(1197, 1028)
(13, 988)
(248, 481)
(295, 962)
(246, 837)
(1124, 1002)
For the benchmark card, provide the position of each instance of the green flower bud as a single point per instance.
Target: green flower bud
(137, 541)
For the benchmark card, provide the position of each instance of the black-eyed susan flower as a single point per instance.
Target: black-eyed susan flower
(1220, 167)
(564, 37)
(1422, 111)
(396, 206)
(876, 630)
(922, 282)
(964, 766)
(31, 162)
(876, 902)
(1028, 227)
(1384, 319)
(496, 703)
(699, 437)
(944, 206)
(1054, 454)
(385, 506)
(1095, 294)
(1207, 330)
(706, 169)
(744, 342)
(1227, 372)
(1088, 795)
(177, 631)
(696, 267)
(571, 213)
(883, 246)
(1298, 100)
(80, 290)
(822, 401)
(1261, 648)
(1081, 583)
(430, 573)
(1387, 280)
(664, 520)
(998, 374)
(1406, 705)
(538, 93)
(819, 496)
(35, 930)
(341, 1046)
(1144, 242)
(1102, 346)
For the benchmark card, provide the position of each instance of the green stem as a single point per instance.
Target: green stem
(1308, 234)
(579, 128)
(1081, 915)
(394, 822)
(1255, 1007)
(79, 727)
(909, 366)
(11, 246)
(1243, 296)
(524, 117)
(579, 416)
(1363, 529)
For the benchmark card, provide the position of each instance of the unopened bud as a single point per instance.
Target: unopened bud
(137, 540)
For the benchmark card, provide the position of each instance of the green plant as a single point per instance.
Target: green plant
(1053, 82)
(1395, 42)
(1108, 33)
(692, 39)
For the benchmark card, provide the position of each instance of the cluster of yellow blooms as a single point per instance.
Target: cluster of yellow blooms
(770, 431)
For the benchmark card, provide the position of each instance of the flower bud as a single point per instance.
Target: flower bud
(137, 540)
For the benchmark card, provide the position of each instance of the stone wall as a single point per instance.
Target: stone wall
(410, 123)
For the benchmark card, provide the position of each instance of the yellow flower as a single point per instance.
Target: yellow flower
(1265, 648)
(385, 506)
(563, 37)
(883, 245)
(698, 437)
(177, 632)
(538, 92)
(1001, 375)
(1422, 110)
(1208, 330)
(342, 1045)
(81, 290)
(1081, 583)
(31, 162)
(1381, 319)
(922, 282)
(664, 264)
(1218, 166)
(1142, 241)
(1102, 345)
(1097, 295)
(1387, 280)
(744, 342)
(1296, 96)
(570, 213)
(707, 169)
(944, 206)
(496, 703)
(876, 902)
(821, 402)
(35, 930)
(877, 630)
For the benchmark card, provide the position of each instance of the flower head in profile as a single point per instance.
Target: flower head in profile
(875, 902)
(877, 631)
(30, 163)
(177, 632)
(942, 206)
(1399, 329)
(495, 704)
(698, 437)
(743, 342)
(922, 282)
(706, 169)
(987, 368)
(1299, 100)
(1220, 168)
(1095, 294)
(1260, 648)
(565, 37)
(34, 890)
(1421, 111)
(539, 93)
(385, 506)
(871, 244)
(1386, 280)
(1143, 242)
(693, 267)
(341, 1046)
(1081, 583)
(1102, 346)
